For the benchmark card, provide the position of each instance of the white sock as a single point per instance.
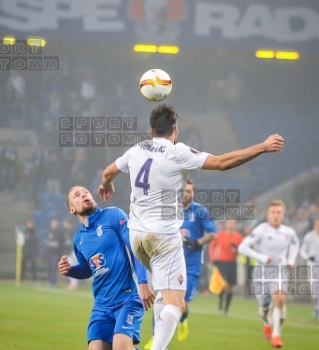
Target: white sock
(165, 326)
(276, 315)
(283, 313)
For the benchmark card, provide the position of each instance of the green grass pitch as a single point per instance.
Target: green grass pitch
(34, 318)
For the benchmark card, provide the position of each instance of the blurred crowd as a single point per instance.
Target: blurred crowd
(48, 167)
(87, 85)
(58, 242)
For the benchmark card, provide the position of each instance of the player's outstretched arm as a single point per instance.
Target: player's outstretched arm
(106, 189)
(273, 143)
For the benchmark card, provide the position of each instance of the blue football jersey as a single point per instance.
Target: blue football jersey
(197, 221)
(102, 252)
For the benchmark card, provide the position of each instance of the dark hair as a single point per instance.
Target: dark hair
(190, 182)
(163, 118)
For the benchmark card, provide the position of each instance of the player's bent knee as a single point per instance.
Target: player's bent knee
(174, 297)
(122, 342)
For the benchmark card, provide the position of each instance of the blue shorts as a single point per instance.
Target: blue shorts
(125, 319)
(191, 288)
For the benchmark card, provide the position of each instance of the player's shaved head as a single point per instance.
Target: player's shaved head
(163, 119)
(80, 201)
(68, 196)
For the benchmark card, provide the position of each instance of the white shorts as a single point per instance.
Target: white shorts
(163, 256)
(265, 288)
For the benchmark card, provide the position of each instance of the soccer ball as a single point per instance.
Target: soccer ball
(155, 85)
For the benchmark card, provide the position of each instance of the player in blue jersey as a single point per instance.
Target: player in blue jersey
(197, 230)
(103, 251)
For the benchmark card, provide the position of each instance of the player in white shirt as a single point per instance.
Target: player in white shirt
(310, 252)
(275, 245)
(158, 171)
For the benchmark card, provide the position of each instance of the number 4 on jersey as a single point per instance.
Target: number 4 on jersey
(144, 172)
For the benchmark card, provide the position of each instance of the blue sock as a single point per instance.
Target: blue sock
(184, 316)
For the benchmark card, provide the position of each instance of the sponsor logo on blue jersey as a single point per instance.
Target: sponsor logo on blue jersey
(97, 262)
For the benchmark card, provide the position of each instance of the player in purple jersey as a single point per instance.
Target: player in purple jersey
(158, 170)
(103, 251)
